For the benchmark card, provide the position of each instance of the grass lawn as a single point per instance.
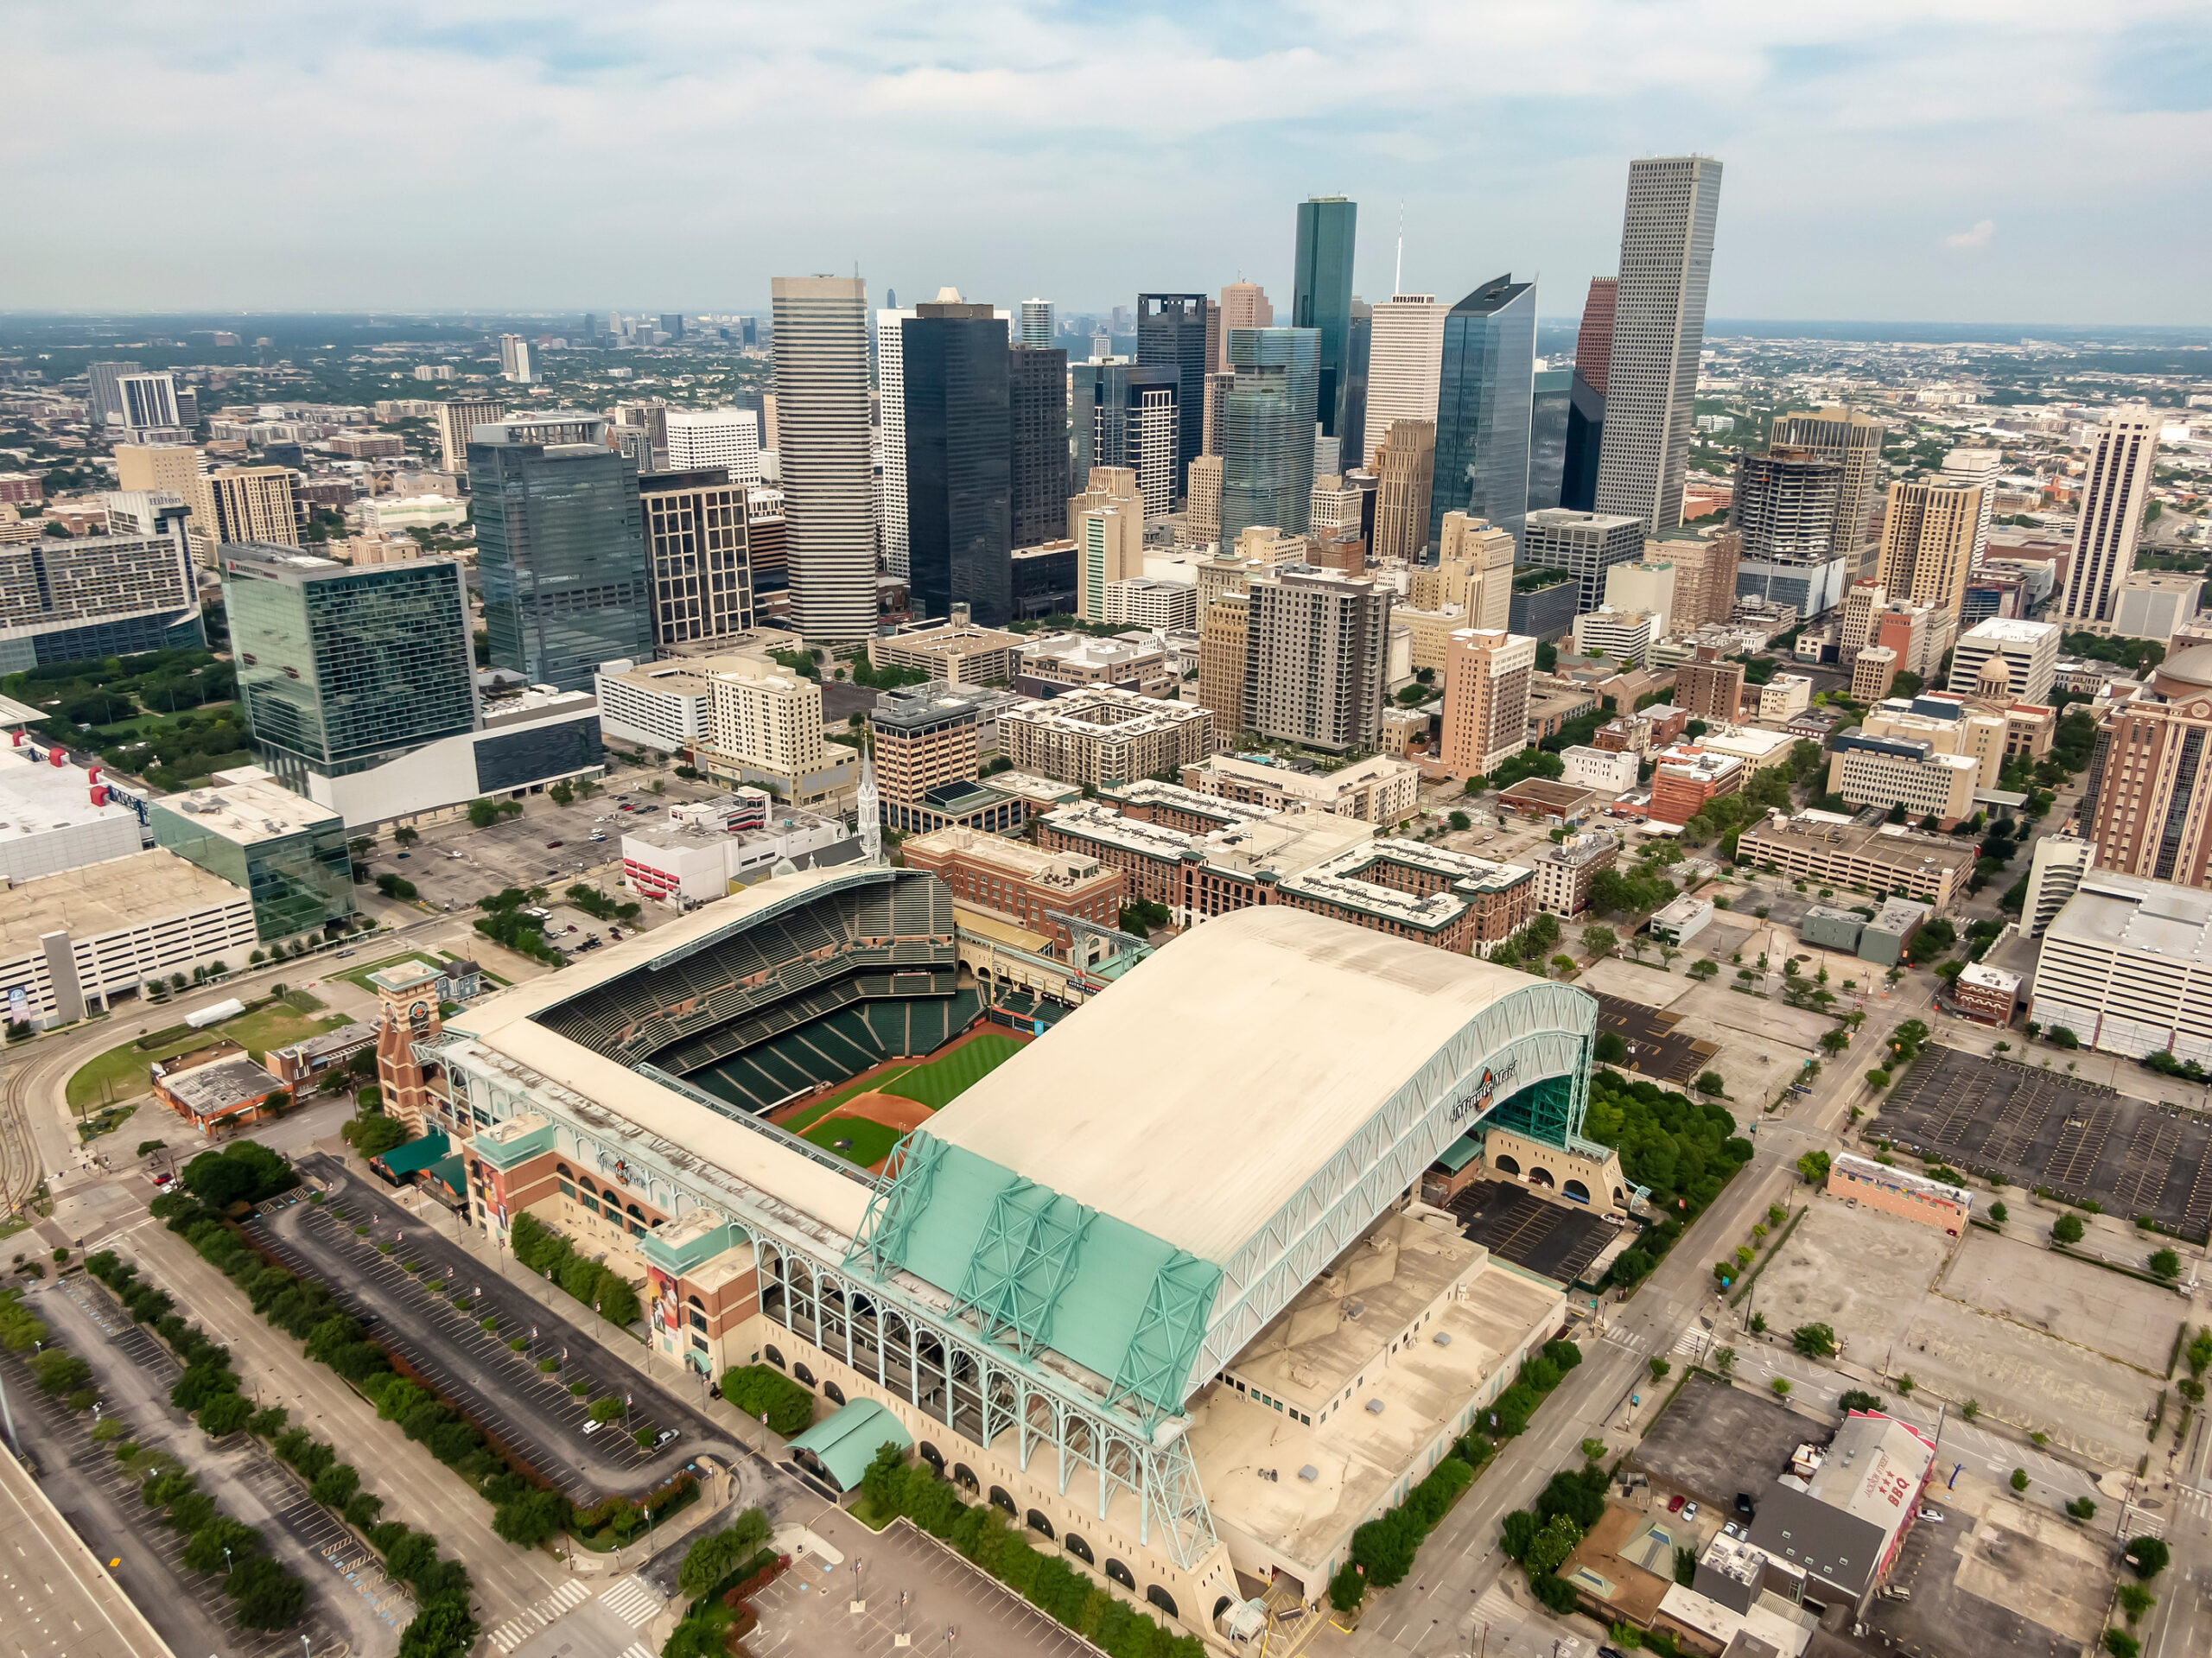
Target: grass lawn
(942, 1081)
(871, 1141)
(829, 1102)
(120, 1073)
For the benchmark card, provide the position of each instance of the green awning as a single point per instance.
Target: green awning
(1461, 1152)
(448, 1169)
(416, 1153)
(843, 1445)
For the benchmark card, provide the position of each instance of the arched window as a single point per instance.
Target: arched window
(1075, 1545)
(586, 1183)
(1540, 1177)
(1221, 1606)
(964, 1477)
(1577, 1190)
(564, 1171)
(639, 1212)
(1121, 1574)
(1162, 1599)
(773, 1357)
(697, 1302)
(1620, 1198)
(803, 1373)
(1037, 1522)
(1505, 1165)
(1000, 1499)
(833, 1392)
(930, 1454)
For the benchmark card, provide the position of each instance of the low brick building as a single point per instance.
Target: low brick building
(1020, 882)
(216, 1090)
(1899, 1192)
(1986, 995)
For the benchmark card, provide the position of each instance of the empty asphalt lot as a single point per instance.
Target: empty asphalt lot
(536, 1414)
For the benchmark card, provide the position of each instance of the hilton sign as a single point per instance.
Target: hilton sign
(1493, 1081)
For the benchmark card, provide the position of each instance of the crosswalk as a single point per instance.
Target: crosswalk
(632, 1600)
(534, 1617)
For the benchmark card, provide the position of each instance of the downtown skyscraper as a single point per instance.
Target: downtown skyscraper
(1321, 299)
(822, 439)
(1267, 467)
(1484, 407)
(2114, 493)
(1173, 333)
(1658, 330)
(959, 429)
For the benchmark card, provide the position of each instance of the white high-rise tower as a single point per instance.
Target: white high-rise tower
(822, 439)
(891, 428)
(1036, 324)
(1658, 331)
(2113, 491)
(1405, 361)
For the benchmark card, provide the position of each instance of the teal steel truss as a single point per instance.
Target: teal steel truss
(1022, 1262)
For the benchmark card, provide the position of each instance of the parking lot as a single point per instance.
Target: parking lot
(538, 1414)
(2038, 1127)
(1758, 1045)
(552, 845)
(2012, 1580)
(2041, 1342)
(950, 1607)
(349, 1598)
(1715, 1440)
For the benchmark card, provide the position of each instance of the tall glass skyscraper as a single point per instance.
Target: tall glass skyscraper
(959, 462)
(1038, 384)
(344, 667)
(560, 550)
(1266, 466)
(1129, 415)
(1553, 399)
(1172, 332)
(1484, 402)
(1321, 299)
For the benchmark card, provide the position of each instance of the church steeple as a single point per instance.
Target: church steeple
(871, 814)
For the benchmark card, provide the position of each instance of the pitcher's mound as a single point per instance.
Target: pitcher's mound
(889, 1109)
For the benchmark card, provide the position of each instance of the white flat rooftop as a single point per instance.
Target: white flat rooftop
(37, 799)
(1194, 1097)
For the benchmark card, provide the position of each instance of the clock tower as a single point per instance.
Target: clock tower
(407, 995)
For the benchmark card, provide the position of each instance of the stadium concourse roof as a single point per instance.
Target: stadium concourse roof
(1220, 1075)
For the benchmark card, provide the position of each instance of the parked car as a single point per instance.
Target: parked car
(1690, 1513)
(1931, 1516)
(591, 1428)
(1743, 1504)
(554, 846)
(1729, 1530)
(1675, 1505)
(666, 1436)
(343, 954)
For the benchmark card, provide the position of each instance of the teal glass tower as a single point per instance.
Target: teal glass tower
(1321, 299)
(343, 667)
(1485, 403)
(560, 550)
(1267, 461)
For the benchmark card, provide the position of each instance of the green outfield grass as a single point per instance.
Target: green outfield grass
(821, 1108)
(942, 1081)
(871, 1141)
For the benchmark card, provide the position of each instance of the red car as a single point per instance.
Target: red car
(1675, 1506)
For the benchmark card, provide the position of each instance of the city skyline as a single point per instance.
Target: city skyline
(1928, 141)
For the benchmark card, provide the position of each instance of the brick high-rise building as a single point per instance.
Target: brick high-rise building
(2147, 803)
(1709, 689)
(457, 420)
(1405, 465)
(1487, 675)
(1222, 645)
(1705, 574)
(1593, 341)
(1244, 305)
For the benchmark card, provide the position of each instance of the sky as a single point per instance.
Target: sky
(1991, 160)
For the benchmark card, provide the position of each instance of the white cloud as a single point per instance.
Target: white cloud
(680, 152)
(1977, 238)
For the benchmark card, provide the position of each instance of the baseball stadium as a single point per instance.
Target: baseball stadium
(1160, 1285)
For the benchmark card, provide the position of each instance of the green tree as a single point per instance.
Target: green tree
(268, 1597)
(2149, 1556)
(1659, 1368)
(2135, 1600)
(2067, 1229)
(1780, 1386)
(1813, 1341)
(2020, 1479)
(2165, 1264)
(1610, 1049)
(1814, 1167)
(1600, 941)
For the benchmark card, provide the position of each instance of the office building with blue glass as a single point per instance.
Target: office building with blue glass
(1267, 463)
(959, 433)
(1485, 405)
(560, 549)
(1172, 333)
(1321, 299)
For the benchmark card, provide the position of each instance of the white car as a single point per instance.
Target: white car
(1930, 1515)
(591, 1428)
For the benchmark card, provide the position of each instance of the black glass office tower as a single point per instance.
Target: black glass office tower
(1585, 436)
(1172, 333)
(1321, 299)
(1351, 447)
(1111, 405)
(1551, 400)
(1037, 385)
(561, 551)
(959, 462)
(344, 667)
(1483, 406)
